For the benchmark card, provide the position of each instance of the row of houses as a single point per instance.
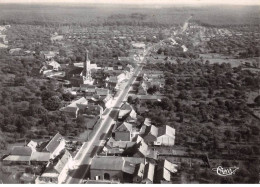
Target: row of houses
(128, 156)
(53, 155)
(130, 170)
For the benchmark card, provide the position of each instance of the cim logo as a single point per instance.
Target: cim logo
(225, 171)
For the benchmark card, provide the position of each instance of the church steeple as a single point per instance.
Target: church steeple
(87, 59)
(87, 79)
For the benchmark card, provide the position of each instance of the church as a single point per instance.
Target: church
(80, 75)
(86, 73)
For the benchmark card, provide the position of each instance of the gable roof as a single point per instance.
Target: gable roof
(107, 163)
(62, 162)
(123, 113)
(113, 79)
(140, 170)
(165, 174)
(21, 151)
(113, 164)
(125, 127)
(166, 130)
(32, 144)
(17, 158)
(169, 166)
(87, 88)
(53, 63)
(40, 156)
(126, 106)
(147, 122)
(128, 167)
(70, 109)
(153, 130)
(82, 101)
(149, 172)
(102, 91)
(112, 143)
(53, 143)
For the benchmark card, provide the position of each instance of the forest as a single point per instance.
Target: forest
(107, 14)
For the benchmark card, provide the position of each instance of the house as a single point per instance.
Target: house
(32, 145)
(81, 65)
(48, 55)
(19, 155)
(54, 65)
(138, 45)
(55, 145)
(110, 168)
(151, 134)
(138, 48)
(148, 176)
(123, 132)
(164, 170)
(27, 178)
(41, 158)
(142, 89)
(147, 122)
(56, 37)
(129, 68)
(72, 109)
(89, 90)
(111, 82)
(166, 136)
(132, 117)
(121, 77)
(140, 150)
(124, 111)
(15, 51)
(55, 170)
(144, 98)
(139, 173)
(102, 92)
(127, 113)
(116, 148)
(92, 109)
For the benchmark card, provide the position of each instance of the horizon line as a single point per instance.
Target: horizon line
(136, 2)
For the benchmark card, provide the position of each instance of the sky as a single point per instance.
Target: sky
(235, 2)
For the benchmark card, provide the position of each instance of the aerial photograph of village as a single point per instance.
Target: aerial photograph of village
(129, 92)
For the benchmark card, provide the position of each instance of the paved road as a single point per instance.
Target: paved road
(102, 130)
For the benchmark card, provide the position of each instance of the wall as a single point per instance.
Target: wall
(115, 175)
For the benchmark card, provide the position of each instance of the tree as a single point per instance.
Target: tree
(52, 103)
(183, 95)
(130, 99)
(46, 94)
(19, 80)
(67, 96)
(257, 100)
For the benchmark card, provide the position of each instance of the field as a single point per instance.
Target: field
(86, 14)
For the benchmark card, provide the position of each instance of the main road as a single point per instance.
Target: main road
(78, 169)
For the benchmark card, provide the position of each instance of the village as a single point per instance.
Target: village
(115, 104)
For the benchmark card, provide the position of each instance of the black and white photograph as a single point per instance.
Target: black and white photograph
(129, 92)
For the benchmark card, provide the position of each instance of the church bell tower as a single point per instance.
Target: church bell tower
(87, 79)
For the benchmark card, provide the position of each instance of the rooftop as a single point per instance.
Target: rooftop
(112, 163)
(53, 143)
(21, 151)
(166, 130)
(40, 156)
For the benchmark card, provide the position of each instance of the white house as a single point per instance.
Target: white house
(166, 136)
